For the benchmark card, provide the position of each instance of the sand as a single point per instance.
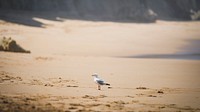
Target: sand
(56, 76)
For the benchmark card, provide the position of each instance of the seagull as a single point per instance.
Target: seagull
(99, 81)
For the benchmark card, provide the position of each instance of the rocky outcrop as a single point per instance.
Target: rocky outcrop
(8, 44)
(134, 10)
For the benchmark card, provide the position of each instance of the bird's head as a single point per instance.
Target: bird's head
(95, 75)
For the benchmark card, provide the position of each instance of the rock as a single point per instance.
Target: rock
(195, 15)
(152, 96)
(10, 45)
(150, 16)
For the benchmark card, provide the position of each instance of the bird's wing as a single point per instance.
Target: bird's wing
(99, 81)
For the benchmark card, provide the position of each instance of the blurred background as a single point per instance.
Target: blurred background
(101, 10)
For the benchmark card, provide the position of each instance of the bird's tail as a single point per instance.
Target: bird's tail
(107, 84)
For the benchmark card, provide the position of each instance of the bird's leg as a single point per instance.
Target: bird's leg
(99, 87)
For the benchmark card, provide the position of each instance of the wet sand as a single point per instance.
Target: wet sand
(56, 76)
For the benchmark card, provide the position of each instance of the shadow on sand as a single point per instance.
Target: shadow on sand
(27, 18)
(189, 52)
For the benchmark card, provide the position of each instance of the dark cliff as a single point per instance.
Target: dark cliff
(134, 10)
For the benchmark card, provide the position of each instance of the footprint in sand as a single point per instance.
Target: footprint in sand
(130, 96)
(21, 103)
(40, 58)
(7, 77)
(60, 82)
(93, 97)
(143, 88)
(53, 82)
(160, 91)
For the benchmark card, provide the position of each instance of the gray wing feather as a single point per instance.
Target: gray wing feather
(101, 82)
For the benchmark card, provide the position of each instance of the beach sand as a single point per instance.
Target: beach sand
(56, 76)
